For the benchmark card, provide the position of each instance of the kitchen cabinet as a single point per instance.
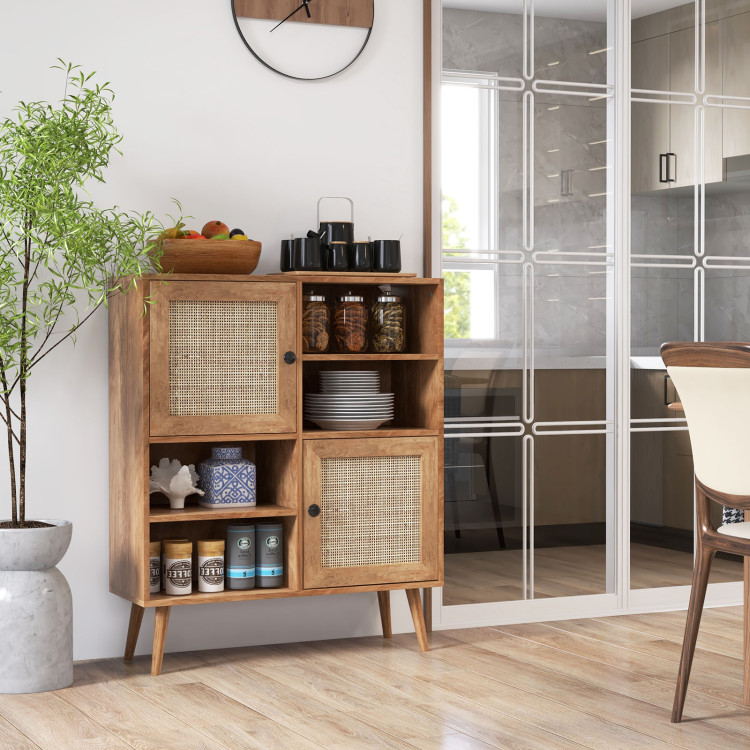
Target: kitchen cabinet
(663, 59)
(650, 122)
(735, 51)
(663, 137)
(219, 359)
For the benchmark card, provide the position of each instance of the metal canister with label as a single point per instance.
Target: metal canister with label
(154, 567)
(269, 555)
(179, 568)
(240, 557)
(211, 565)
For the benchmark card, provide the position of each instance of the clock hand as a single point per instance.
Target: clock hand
(304, 5)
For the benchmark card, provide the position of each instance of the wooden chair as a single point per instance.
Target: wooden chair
(713, 381)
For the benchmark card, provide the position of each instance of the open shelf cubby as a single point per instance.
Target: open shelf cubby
(277, 479)
(216, 528)
(416, 384)
(424, 322)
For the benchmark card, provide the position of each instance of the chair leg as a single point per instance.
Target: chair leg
(489, 471)
(695, 610)
(746, 638)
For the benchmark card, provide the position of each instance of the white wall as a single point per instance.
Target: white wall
(206, 123)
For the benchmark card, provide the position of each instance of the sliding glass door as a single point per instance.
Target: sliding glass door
(568, 470)
(527, 256)
(690, 260)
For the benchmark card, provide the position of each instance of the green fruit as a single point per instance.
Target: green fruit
(220, 237)
(235, 231)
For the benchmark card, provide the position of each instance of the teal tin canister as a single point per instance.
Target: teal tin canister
(269, 555)
(240, 557)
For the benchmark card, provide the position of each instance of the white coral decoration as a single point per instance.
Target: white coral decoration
(175, 481)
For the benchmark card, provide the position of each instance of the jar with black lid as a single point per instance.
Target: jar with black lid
(388, 324)
(350, 324)
(316, 323)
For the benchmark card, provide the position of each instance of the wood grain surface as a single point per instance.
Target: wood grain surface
(357, 13)
(594, 683)
(210, 256)
(128, 454)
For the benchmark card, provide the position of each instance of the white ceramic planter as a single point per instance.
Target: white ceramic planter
(36, 610)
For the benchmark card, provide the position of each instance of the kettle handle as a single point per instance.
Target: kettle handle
(336, 198)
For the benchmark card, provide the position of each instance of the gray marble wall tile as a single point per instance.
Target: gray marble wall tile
(569, 43)
(728, 224)
(493, 42)
(489, 42)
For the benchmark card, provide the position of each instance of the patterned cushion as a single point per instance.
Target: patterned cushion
(732, 515)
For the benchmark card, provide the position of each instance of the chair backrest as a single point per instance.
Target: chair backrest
(713, 383)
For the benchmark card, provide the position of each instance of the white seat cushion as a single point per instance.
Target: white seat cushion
(736, 529)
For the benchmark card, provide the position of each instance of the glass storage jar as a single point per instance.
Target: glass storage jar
(388, 325)
(350, 324)
(316, 324)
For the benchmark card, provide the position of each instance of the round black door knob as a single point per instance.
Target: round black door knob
(313, 511)
(290, 358)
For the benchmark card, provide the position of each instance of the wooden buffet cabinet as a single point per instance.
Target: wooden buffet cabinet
(218, 359)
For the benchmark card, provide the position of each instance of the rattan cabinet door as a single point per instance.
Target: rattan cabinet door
(217, 358)
(371, 511)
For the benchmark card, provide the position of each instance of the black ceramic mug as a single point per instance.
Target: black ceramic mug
(360, 257)
(287, 255)
(337, 256)
(387, 255)
(307, 255)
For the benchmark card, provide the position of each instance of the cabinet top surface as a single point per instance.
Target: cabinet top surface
(365, 278)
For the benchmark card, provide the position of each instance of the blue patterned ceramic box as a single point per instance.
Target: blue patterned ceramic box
(227, 478)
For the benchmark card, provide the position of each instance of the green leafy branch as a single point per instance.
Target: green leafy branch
(61, 256)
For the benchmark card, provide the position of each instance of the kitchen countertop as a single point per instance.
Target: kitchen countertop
(480, 358)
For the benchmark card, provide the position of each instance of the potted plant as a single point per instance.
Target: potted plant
(61, 258)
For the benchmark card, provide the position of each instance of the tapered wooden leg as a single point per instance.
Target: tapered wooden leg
(695, 610)
(384, 602)
(427, 607)
(134, 627)
(746, 640)
(160, 636)
(415, 605)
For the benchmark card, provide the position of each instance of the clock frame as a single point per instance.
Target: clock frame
(346, 13)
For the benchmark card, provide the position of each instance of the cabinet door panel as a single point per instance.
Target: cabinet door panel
(735, 38)
(682, 116)
(379, 506)
(217, 358)
(650, 129)
(714, 139)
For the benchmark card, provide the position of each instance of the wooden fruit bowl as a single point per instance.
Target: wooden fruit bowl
(210, 256)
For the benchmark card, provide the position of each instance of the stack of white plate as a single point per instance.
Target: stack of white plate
(349, 401)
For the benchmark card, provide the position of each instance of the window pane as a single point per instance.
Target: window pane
(470, 304)
(461, 166)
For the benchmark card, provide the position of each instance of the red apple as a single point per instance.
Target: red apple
(191, 234)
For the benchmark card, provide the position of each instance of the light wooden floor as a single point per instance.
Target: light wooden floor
(602, 683)
(497, 575)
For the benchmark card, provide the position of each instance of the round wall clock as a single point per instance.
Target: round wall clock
(305, 39)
